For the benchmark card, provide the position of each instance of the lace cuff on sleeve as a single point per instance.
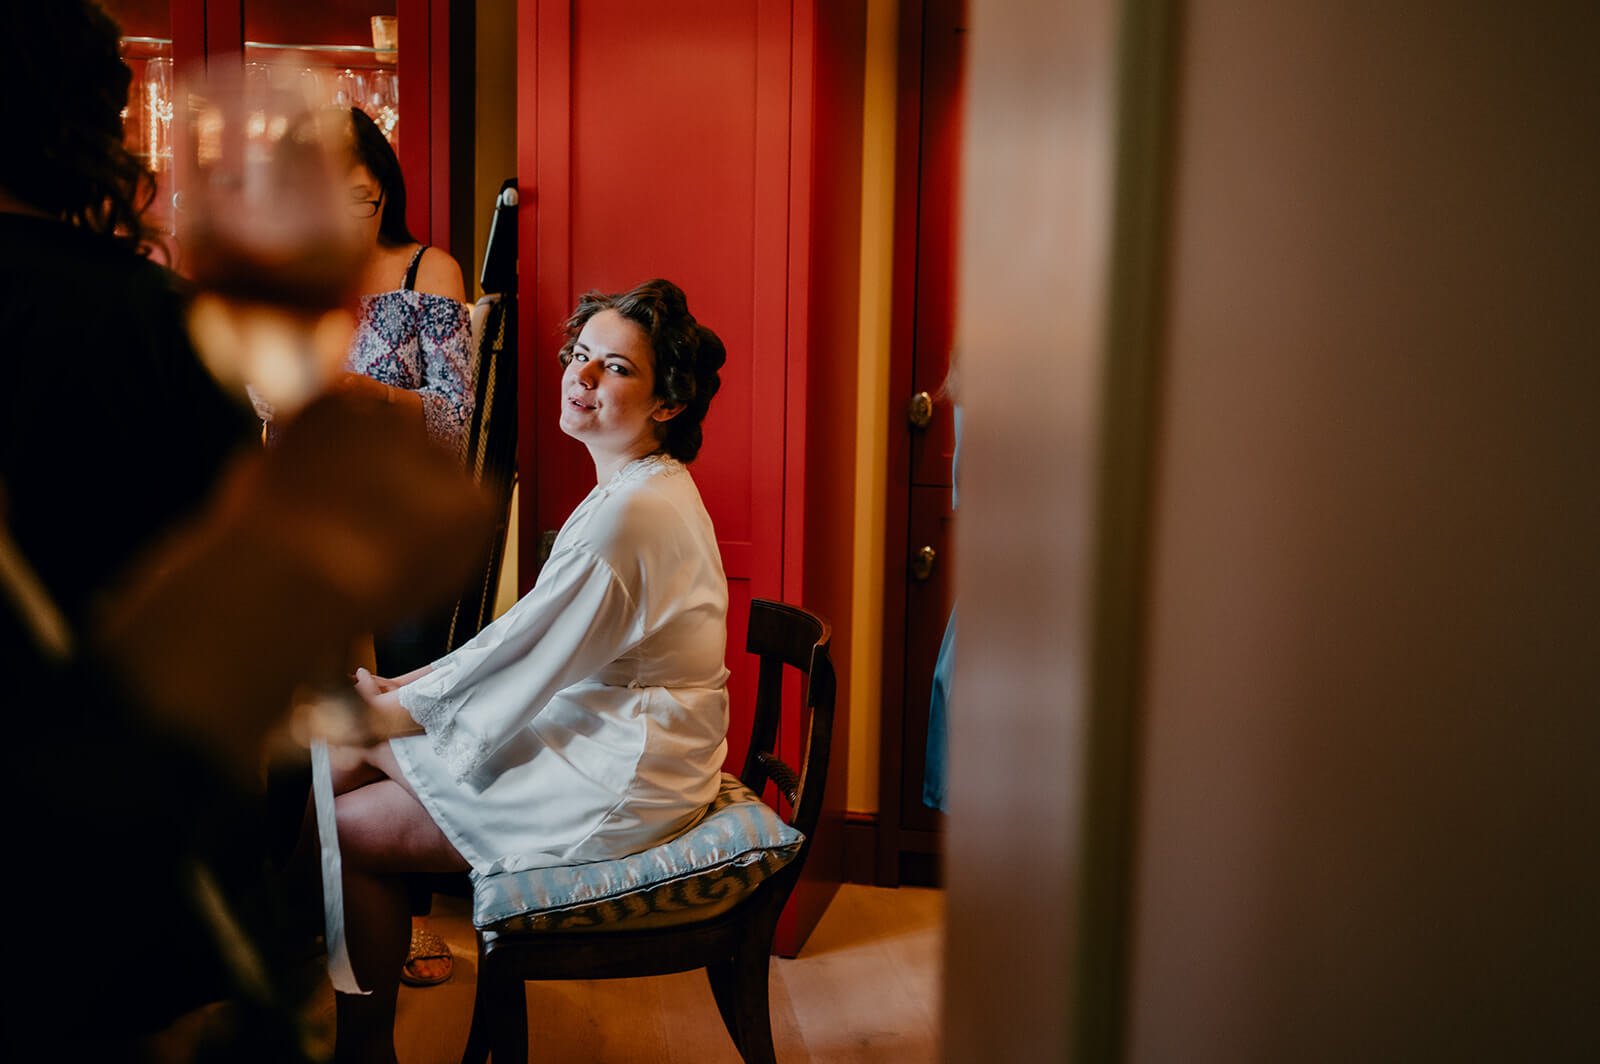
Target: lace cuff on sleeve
(460, 750)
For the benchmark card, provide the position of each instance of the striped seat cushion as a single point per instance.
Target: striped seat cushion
(699, 873)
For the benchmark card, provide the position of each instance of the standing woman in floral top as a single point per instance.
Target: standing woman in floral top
(412, 344)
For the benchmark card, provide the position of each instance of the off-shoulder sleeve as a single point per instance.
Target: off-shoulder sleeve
(444, 334)
(578, 618)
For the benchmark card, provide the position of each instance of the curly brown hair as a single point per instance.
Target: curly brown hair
(63, 94)
(687, 354)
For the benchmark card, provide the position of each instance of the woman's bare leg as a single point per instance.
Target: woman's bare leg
(384, 832)
(302, 869)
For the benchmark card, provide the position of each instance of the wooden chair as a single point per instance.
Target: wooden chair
(733, 946)
(491, 443)
(490, 456)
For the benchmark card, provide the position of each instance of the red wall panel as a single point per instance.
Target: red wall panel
(648, 165)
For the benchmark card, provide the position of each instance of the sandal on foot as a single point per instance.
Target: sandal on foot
(426, 946)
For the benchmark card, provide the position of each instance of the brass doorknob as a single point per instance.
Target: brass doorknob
(922, 563)
(920, 410)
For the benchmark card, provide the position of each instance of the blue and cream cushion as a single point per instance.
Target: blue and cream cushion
(699, 873)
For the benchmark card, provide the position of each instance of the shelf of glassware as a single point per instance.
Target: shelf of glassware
(333, 75)
(327, 75)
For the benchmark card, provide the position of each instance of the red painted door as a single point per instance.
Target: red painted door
(687, 180)
(919, 589)
(716, 144)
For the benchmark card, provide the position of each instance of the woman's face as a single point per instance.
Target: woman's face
(608, 398)
(365, 206)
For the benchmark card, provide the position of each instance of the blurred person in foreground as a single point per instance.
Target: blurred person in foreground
(110, 427)
(137, 736)
(144, 759)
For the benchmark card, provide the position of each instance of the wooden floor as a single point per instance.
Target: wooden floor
(865, 988)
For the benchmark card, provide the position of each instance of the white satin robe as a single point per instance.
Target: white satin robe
(590, 720)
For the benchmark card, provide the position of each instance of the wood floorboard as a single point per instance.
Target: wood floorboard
(863, 991)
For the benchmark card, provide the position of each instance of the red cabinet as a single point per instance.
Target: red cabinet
(716, 144)
(333, 51)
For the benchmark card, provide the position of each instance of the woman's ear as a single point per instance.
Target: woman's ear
(666, 411)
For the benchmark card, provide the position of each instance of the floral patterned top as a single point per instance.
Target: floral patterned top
(421, 342)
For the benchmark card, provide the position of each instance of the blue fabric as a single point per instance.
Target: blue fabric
(955, 458)
(936, 764)
(936, 769)
(725, 855)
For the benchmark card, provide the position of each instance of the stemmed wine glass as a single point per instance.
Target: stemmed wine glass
(350, 89)
(156, 99)
(383, 102)
(265, 236)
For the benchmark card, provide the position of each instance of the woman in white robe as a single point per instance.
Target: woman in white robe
(589, 721)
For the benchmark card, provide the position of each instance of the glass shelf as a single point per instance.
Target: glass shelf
(347, 49)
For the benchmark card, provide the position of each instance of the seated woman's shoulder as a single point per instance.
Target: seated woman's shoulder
(439, 274)
(646, 513)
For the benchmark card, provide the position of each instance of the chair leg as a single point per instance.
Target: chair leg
(724, 980)
(510, 1026)
(477, 1051)
(499, 1028)
(752, 969)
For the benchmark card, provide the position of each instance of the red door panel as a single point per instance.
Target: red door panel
(659, 144)
(938, 215)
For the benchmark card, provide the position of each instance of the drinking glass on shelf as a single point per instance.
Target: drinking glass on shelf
(133, 112)
(313, 87)
(385, 37)
(383, 102)
(156, 113)
(350, 89)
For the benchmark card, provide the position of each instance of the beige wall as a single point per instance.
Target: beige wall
(1035, 227)
(872, 401)
(495, 147)
(1366, 696)
(1373, 712)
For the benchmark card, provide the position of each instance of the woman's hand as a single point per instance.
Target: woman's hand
(386, 717)
(410, 677)
(368, 684)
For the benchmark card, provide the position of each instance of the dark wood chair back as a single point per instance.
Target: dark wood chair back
(782, 635)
